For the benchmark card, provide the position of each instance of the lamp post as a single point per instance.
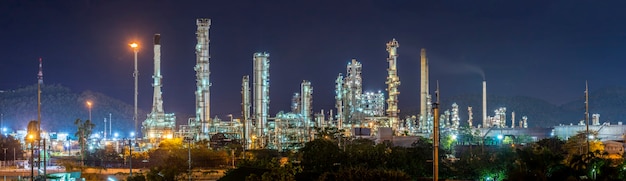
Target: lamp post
(89, 107)
(135, 47)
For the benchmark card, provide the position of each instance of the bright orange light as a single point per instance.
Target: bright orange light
(89, 103)
(30, 136)
(133, 45)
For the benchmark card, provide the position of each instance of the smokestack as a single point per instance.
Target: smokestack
(485, 123)
(157, 100)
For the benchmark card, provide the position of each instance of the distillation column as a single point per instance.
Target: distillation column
(245, 111)
(339, 94)
(354, 90)
(306, 100)
(261, 95)
(423, 90)
(203, 83)
(393, 81)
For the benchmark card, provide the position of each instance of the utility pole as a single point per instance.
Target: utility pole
(130, 156)
(32, 161)
(189, 155)
(39, 83)
(587, 113)
(44, 157)
(436, 136)
(5, 156)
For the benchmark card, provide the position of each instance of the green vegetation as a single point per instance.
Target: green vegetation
(361, 159)
(10, 146)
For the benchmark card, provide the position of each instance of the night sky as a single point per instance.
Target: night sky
(543, 49)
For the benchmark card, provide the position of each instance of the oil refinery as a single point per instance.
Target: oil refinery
(373, 115)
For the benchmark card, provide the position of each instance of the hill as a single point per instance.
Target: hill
(60, 107)
(609, 102)
(540, 113)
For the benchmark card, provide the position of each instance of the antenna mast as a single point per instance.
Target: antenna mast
(587, 113)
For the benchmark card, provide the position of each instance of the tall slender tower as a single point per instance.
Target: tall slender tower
(203, 83)
(354, 90)
(339, 97)
(261, 95)
(245, 110)
(306, 100)
(157, 123)
(39, 84)
(157, 99)
(485, 119)
(393, 81)
(423, 90)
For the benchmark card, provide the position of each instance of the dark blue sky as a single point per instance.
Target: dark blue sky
(543, 49)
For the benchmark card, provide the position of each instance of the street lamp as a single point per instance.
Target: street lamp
(89, 107)
(135, 47)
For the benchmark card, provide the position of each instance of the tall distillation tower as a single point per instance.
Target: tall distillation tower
(353, 89)
(339, 93)
(261, 85)
(306, 100)
(393, 81)
(157, 123)
(423, 91)
(245, 113)
(203, 83)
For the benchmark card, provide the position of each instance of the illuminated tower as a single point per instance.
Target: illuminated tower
(393, 81)
(353, 88)
(455, 116)
(470, 116)
(339, 94)
(306, 100)
(245, 111)
(424, 90)
(203, 83)
(261, 95)
(157, 123)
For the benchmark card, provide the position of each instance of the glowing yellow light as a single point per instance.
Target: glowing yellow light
(133, 45)
(89, 103)
(31, 136)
